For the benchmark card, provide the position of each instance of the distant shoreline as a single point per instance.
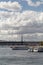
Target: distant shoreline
(20, 43)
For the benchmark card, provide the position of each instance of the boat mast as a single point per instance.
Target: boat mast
(21, 39)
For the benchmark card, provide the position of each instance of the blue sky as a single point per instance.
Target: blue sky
(19, 17)
(26, 6)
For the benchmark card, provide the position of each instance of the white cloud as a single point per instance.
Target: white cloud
(33, 37)
(37, 3)
(12, 6)
(27, 22)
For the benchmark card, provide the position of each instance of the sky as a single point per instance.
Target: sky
(21, 17)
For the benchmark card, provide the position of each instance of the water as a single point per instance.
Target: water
(19, 57)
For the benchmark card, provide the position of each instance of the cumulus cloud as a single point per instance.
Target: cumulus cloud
(31, 22)
(16, 23)
(11, 6)
(33, 37)
(31, 3)
(13, 23)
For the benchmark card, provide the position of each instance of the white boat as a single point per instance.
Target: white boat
(35, 50)
(30, 50)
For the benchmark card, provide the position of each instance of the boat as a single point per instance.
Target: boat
(40, 49)
(35, 50)
(20, 47)
(30, 50)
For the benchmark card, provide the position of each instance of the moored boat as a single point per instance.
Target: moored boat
(40, 49)
(35, 50)
(20, 47)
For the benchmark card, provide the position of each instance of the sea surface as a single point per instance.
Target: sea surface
(19, 57)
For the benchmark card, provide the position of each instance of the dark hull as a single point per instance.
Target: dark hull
(40, 50)
(20, 48)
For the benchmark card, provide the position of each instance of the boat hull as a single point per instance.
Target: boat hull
(40, 50)
(20, 48)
